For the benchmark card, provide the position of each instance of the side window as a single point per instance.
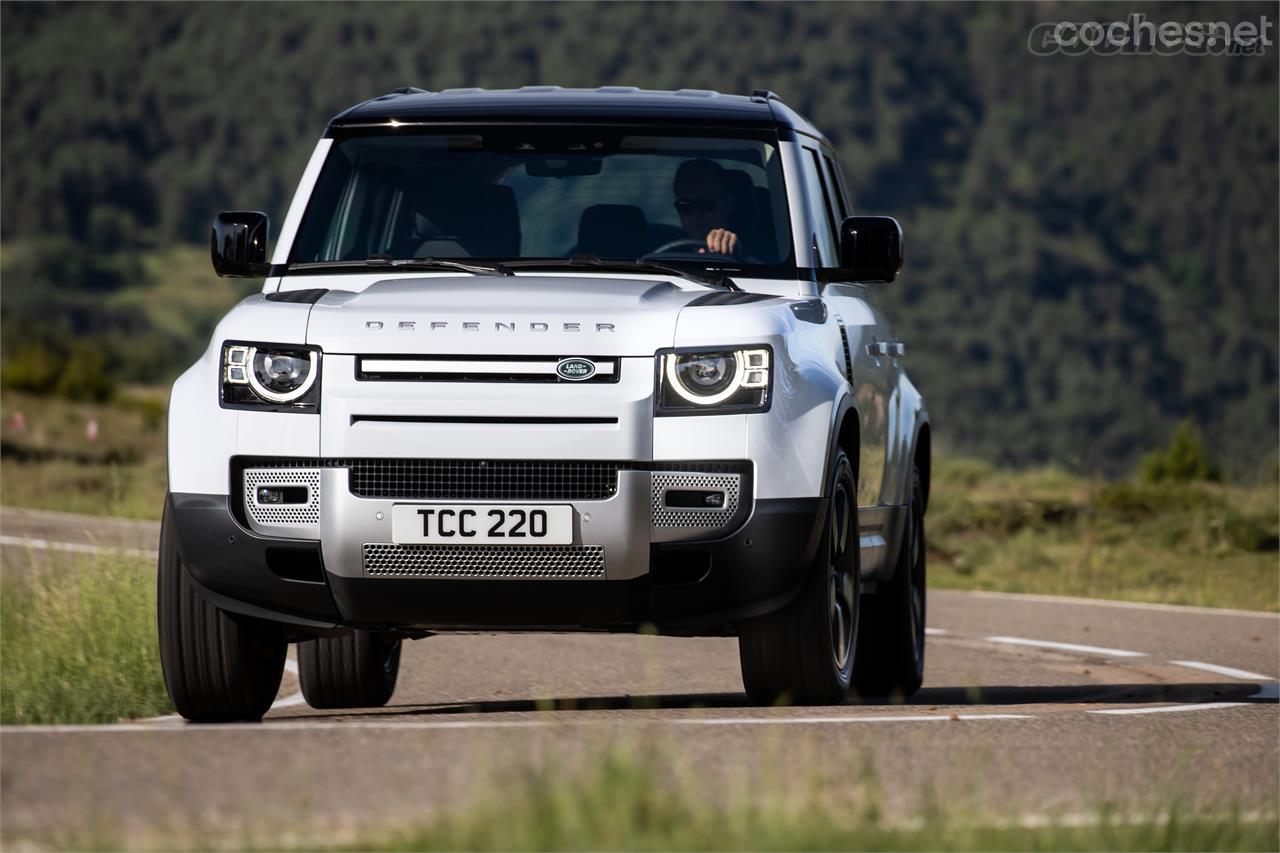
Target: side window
(837, 188)
(820, 214)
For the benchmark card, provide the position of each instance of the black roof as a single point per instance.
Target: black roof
(611, 103)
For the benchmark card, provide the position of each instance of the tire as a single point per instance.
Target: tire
(355, 670)
(892, 621)
(803, 654)
(218, 667)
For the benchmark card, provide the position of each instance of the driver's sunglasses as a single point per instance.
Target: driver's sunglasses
(706, 204)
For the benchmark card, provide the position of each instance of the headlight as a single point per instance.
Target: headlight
(714, 381)
(266, 375)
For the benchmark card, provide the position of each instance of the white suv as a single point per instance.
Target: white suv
(595, 360)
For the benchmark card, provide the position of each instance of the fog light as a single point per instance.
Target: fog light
(282, 495)
(694, 499)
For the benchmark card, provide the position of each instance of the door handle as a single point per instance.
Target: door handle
(897, 349)
(877, 349)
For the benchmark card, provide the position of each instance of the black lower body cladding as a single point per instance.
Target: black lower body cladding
(714, 583)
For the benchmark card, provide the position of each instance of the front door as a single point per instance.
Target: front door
(868, 337)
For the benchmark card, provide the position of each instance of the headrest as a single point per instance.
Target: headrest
(613, 231)
(489, 222)
(743, 218)
(483, 218)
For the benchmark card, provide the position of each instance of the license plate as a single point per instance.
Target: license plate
(481, 524)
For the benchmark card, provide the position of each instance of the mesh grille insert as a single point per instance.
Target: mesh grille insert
(527, 562)
(477, 479)
(294, 514)
(665, 516)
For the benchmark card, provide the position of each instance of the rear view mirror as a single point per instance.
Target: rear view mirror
(871, 248)
(238, 243)
(569, 166)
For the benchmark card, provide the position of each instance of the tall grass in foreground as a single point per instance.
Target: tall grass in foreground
(625, 804)
(645, 796)
(78, 640)
(636, 817)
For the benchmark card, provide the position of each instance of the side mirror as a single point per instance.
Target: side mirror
(871, 248)
(238, 244)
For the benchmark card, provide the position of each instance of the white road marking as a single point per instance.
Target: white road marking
(1242, 674)
(1068, 647)
(307, 725)
(1111, 602)
(898, 718)
(281, 725)
(935, 632)
(292, 699)
(289, 701)
(74, 547)
(1169, 709)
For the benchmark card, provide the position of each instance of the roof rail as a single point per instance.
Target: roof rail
(766, 94)
(408, 90)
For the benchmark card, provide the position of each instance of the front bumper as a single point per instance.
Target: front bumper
(699, 585)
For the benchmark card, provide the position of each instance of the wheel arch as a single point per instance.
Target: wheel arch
(922, 455)
(846, 435)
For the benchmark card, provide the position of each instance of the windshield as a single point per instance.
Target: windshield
(552, 192)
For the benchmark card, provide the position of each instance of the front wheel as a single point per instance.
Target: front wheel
(217, 667)
(803, 653)
(355, 670)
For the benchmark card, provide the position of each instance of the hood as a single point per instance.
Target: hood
(518, 315)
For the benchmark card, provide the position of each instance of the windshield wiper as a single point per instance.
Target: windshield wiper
(717, 279)
(384, 262)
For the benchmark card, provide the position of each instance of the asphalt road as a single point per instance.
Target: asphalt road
(1033, 708)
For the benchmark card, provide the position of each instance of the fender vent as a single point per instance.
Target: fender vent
(848, 357)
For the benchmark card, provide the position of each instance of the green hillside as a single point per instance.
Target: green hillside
(1092, 242)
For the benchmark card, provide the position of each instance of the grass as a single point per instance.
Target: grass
(624, 805)
(1050, 532)
(51, 463)
(637, 798)
(78, 640)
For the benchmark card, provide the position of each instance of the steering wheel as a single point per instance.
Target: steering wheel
(682, 243)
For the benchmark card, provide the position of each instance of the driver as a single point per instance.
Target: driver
(704, 203)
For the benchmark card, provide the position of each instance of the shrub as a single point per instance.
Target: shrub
(1185, 459)
(84, 376)
(35, 368)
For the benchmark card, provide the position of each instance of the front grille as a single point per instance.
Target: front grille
(473, 368)
(479, 479)
(488, 562)
(484, 479)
